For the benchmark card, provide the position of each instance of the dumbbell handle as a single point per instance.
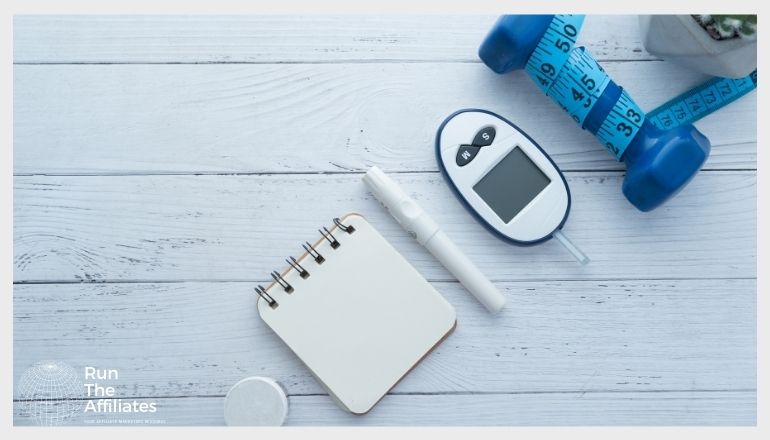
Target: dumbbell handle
(574, 79)
(660, 162)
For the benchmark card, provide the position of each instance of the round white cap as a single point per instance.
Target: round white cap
(256, 401)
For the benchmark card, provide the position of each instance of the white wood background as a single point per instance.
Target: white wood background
(164, 165)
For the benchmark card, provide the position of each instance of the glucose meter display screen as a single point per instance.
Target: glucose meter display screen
(511, 184)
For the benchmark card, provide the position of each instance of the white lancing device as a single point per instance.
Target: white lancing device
(423, 229)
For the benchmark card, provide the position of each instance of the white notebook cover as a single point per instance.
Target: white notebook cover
(362, 319)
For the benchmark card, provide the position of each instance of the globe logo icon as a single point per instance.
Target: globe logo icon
(50, 392)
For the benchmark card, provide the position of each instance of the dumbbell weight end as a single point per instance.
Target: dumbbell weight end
(659, 162)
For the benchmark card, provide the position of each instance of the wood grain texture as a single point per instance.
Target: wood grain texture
(549, 409)
(240, 227)
(165, 164)
(285, 39)
(197, 339)
(107, 119)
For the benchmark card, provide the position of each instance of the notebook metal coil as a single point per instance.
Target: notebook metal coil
(294, 264)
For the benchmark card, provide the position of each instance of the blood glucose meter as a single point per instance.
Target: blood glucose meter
(504, 178)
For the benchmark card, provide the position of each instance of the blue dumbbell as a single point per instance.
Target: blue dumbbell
(659, 162)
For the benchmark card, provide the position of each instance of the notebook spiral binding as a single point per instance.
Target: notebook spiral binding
(294, 264)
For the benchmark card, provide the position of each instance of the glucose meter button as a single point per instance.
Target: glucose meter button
(466, 154)
(484, 137)
(256, 401)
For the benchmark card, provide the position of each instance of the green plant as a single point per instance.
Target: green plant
(722, 27)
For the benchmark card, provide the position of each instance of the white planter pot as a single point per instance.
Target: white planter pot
(681, 40)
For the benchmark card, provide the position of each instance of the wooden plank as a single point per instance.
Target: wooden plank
(97, 119)
(196, 339)
(240, 227)
(730, 408)
(279, 38)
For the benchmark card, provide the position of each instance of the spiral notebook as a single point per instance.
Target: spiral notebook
(355, 312)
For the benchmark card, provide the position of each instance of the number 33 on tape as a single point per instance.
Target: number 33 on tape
(621, 125)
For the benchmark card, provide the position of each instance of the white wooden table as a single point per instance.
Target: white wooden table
(165, 165)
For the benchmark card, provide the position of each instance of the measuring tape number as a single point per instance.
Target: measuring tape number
(575, 80)
(572, 77)
(701, 101)
(553, 50)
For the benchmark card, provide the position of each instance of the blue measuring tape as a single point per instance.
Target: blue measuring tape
(701, 101)
(660, 156)
(576, 81)
(572, 77)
